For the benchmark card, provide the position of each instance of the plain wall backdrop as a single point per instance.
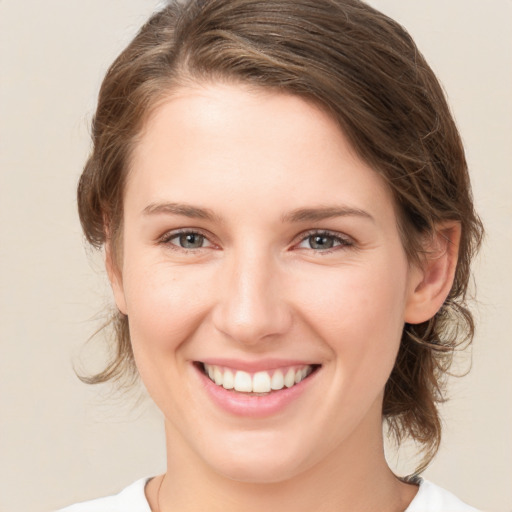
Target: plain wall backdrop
(62, 441)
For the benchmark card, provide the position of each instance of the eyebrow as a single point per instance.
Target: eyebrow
(185, 210)
(298, 215)
(326, 212)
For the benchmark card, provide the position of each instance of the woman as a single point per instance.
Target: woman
(284, 203)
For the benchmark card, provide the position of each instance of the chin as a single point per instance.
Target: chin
(258, 460)
(260, 472)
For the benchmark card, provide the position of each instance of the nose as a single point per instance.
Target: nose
(251, 306)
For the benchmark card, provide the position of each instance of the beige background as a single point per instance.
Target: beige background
(61, 441)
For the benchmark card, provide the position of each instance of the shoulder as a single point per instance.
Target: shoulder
(130, 499)
(432, 498)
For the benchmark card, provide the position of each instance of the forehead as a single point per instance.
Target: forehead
(230, 140)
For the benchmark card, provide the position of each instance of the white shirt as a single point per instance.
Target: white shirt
(430, 498)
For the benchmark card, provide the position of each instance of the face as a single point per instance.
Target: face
(264, 280)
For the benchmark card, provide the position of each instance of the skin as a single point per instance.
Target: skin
(258, 289)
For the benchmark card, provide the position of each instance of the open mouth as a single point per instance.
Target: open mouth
(260, 383)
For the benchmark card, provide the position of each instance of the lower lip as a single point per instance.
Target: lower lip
(253, 406)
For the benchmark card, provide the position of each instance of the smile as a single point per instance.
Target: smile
(256, 389)
(261, 382)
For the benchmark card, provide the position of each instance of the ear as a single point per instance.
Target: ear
(115, 277)
(432, 280)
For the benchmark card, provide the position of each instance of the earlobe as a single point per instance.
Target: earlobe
(115, 277)
(432, 281)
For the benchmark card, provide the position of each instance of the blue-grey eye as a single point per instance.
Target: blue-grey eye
(321, 242)
(191, 240)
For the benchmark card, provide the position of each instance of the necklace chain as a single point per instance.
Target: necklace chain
(158, 494)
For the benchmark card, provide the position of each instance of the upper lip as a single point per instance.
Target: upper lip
(255, 366)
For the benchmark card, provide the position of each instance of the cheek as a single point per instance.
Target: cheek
(360, 296)
(165, 308)
(359, 313)
(165, 304)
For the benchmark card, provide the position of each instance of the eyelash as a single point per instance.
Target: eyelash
(339, 241)
(167, 238)
(342, 242)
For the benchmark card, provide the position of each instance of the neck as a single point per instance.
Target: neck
(354, 477)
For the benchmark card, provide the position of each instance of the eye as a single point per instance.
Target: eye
(188, 240)
(323, 241)
(191, 240)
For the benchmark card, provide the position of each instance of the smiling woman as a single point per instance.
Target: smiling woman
(286, 213)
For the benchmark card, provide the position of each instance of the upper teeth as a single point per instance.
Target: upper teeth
(259, 382)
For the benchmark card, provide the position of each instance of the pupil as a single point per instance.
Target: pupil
(321, 242)
(191, 240)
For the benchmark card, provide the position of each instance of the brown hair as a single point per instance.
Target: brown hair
(366, 71)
